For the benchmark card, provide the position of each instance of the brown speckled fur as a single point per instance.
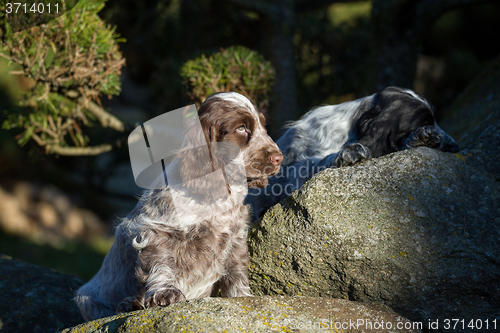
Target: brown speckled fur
(166, 253)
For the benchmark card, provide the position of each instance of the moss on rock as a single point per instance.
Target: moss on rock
(253, 314)
(417, 230)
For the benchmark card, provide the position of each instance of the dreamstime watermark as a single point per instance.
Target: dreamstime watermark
(359, 324)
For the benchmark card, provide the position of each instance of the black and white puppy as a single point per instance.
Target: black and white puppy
(341, 135)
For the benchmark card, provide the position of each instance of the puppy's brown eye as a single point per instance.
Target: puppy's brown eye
(241, 129)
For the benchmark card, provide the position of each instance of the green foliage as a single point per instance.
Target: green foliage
(72, 60)
(234, 69)
(332, 59)
(347, 13)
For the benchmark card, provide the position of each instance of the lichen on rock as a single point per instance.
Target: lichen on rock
(416, 230)
(255, 314)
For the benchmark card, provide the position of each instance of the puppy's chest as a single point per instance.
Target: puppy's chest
(202, 258)
(205, 248)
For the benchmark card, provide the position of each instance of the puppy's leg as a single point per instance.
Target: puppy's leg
(351, 154)
(113, 282)
(235, 283)
(92, 309)
(157, 273)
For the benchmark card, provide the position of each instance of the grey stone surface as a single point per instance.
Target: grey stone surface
(474, 120)
(417, 230)
(35, 299)
(255, 314)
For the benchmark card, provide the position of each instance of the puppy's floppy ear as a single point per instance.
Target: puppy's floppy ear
(377, 131)
(194, 157)
(201, 174)
(212, 137)
(365, 122)
(378, 128)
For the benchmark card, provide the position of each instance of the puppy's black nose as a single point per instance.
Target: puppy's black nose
(276, 159)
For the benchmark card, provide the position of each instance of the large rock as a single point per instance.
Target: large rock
(255, 314)
(474, 120)
(36, 299)
(418, 230)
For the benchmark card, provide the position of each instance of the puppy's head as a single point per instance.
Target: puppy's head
(397, 121)
(233, 127)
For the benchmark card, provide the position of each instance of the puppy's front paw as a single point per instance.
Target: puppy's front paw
(427, 136)
(164, 298)
(132, 303)
(351, 154)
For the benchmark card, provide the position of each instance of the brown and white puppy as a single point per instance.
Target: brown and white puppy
(189, 242)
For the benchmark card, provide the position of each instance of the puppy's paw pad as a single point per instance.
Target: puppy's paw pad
(124, 307)
(427, 136)
(129, 304)
(351, 154)
(164, 298)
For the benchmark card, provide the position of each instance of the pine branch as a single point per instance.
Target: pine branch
(77, 151)
(106, 119)
(80, 151)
